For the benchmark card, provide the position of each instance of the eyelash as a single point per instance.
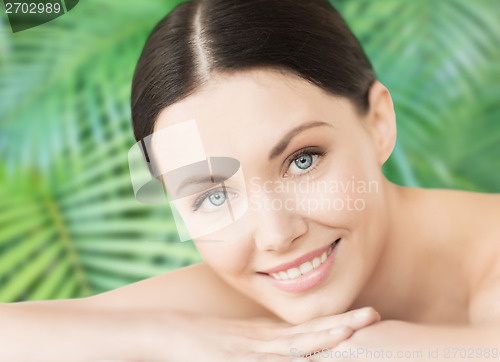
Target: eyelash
(303, 152)
(201, 199)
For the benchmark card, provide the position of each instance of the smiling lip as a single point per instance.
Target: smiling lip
(297, 262)
(308, 280)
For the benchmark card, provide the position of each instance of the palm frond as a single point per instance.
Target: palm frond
(69, 223)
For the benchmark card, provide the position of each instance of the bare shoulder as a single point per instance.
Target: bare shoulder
(475, 217)
(480, 214)
(195, 288)
(484, 302)
(473, 213)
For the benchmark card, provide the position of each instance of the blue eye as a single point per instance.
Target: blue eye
(217, 198)
(213, 199)
(304, 161)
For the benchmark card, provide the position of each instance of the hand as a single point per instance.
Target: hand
(180, 336)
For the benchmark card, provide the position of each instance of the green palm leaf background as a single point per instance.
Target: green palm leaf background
(70, 226)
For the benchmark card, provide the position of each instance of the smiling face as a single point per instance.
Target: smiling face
(309, 176)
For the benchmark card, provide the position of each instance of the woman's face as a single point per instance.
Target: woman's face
(310, 176)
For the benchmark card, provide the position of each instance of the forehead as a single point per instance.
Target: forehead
(240, 111)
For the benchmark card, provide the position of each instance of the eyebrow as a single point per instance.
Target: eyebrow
(285, 140)
(201, 180)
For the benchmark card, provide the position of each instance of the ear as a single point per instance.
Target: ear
(381, 121)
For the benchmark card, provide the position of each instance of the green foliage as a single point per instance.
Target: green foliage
(69, 223)
(440, 61)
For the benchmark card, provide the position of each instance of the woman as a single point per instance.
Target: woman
(267, 127)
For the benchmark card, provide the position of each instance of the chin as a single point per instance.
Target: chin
(338, 299)
(296, 319)
(303, 311)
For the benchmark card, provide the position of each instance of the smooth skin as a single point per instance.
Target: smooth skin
(425, 260)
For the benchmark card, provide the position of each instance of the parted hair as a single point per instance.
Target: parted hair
(307, 38)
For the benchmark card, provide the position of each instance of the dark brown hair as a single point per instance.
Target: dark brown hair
(307, 38)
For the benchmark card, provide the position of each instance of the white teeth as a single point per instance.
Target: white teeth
(275, 275)
(283, 275)
(304, 268)
(293, 273)
(323, 257)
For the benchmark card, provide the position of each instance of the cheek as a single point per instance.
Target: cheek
(344, 196)
(228, 257)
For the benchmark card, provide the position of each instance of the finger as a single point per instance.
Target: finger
(268, 329)
(266, 357)
(263, 322)
(253, 328)
(354, 319)
(310, 341)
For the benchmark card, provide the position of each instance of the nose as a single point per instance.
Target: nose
(276, 227)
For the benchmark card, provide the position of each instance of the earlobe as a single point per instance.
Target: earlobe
(382, 121)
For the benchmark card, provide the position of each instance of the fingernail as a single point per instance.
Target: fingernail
(337, 331)
(362, 313)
